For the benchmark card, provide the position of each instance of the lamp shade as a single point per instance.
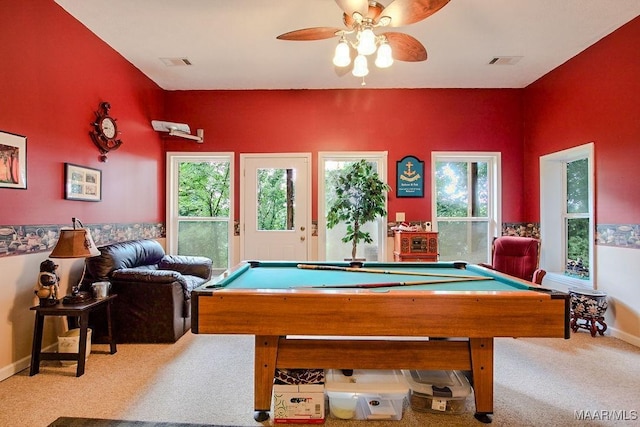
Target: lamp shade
(75, 243)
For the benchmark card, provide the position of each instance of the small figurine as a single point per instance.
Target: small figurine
(47, 286)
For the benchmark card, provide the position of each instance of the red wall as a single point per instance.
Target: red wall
(594, 97)
(54, 74)
(402, 122)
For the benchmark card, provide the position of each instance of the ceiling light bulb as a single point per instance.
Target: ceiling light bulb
(342, 57)
(360, 68)
(384, 58)
(366, 42)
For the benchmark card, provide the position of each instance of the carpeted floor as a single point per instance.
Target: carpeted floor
(98, 422)
(208, 380)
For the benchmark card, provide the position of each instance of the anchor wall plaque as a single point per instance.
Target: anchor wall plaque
(410, 177)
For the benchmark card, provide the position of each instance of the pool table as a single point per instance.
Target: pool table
(329, 316)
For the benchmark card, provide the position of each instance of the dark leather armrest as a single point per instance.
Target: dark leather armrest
(188, 265)
(149, 276)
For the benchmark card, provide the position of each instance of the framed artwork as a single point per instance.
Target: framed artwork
(410, 177)
(13, 161)
(82, 183)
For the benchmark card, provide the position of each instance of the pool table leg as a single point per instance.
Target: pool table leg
(266, 349)
(482, 366)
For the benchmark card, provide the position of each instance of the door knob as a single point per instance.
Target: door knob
(302, 238)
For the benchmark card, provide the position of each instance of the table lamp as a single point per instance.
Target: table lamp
(75, 242)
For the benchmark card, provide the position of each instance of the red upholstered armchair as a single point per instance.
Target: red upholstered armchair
(517, 256)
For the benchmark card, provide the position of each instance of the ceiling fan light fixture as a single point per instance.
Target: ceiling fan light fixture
(384, 21)
(360, 67)
(384, 59)
(366, 42)
(342, 57)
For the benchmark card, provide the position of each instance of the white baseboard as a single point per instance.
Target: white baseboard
(621, 335)
(22, 364)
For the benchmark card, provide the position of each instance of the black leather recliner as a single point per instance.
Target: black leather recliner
(154, 290)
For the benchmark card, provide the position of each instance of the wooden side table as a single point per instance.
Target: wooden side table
(81, 312)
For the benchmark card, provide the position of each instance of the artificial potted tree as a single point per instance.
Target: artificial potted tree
(360, 197)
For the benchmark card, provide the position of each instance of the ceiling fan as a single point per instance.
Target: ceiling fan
(361, 37)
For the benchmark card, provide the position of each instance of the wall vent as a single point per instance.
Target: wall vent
(175, 62)
(505, 60)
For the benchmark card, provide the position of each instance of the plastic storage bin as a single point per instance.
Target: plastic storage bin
(69, 342)
(438, 391)
(366, 395)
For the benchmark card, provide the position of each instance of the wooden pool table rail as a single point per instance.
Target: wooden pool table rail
(356, 312)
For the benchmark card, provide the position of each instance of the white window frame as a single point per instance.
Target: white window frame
(553, 215)
(173, 159)
(494, 176)
(380, 158)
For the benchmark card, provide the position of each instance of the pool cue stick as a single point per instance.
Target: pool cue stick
(389, 285)
(371, 270)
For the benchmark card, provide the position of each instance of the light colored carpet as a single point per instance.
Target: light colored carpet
(207, 379)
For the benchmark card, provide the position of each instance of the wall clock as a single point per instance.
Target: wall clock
(105, 131)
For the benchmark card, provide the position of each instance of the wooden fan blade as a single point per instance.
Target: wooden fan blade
(405, 47)
(351, 6)
(307, 34)
(405, 12)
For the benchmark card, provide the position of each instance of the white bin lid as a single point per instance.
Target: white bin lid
(365, 381)
(438, 383)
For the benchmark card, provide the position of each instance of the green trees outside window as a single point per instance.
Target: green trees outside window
(204, 210)
(577, 218)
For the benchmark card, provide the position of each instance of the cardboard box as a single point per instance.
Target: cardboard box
(366, 395)
(298, 404)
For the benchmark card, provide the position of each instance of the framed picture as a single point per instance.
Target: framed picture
(13, 161)
(82, 183)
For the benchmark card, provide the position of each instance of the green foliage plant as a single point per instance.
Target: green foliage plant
(360, 197)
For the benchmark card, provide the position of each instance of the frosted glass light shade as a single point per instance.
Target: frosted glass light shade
(366, 42)
(384, 58)
(360, 67)
(342, 57)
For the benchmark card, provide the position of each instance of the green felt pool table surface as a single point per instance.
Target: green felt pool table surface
(443, 276)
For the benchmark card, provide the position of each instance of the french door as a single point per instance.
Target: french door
(275, 206)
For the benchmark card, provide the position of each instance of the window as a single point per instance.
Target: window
(330, 246)
(276, 199)
(465, 204)
(199, 195)
(566, 215)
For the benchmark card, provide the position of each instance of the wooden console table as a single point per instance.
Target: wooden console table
(81, 312)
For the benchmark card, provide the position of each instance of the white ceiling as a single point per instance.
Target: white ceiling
(232, 43)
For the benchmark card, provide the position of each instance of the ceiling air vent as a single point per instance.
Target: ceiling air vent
(175, 62)
(505, 60)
